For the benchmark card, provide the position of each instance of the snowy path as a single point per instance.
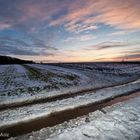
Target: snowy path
(57, 95)
(11, 118)
(120, 123)
(33, 97)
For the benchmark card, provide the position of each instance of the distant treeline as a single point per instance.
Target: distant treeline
(11, 60)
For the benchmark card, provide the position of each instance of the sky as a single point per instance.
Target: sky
(70, 30)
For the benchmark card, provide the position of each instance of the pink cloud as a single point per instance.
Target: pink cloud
(119, 14)
(79, 15)
(4, 25)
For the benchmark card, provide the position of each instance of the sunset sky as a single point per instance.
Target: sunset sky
(70, 30)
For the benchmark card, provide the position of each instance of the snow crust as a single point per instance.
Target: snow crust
(122, 123)
(27, 113)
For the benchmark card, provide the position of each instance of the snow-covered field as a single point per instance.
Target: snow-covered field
(78, 85)
(117, 122)
(22, 114)
(22, 82)
(19, 81)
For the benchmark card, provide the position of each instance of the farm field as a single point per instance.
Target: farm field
(70, 100)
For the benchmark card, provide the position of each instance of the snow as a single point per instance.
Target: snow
(14, 81)
(21, 84)
(17, 81)
(61, 70)
(120, 121)
(123, 123)
(18, 85)
(57, 129)
(21, 114)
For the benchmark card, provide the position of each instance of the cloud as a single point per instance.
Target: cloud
(128, 57)
(85, 37)
(4, 26)
(28, 13)
(78, 28)
(34, 18)
(119, 33)
(13, 46)
(13, 50)
(106, 45)
(76, 16)
(123, 55)
(118, 14)
(111, 44)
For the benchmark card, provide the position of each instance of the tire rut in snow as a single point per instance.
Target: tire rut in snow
(61, 96)
(58, 117)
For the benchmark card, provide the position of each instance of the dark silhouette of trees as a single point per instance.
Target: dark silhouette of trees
(11, 60)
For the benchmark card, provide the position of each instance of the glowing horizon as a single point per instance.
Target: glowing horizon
(70, 30)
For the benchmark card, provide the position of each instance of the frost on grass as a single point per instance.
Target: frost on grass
(25, 82)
